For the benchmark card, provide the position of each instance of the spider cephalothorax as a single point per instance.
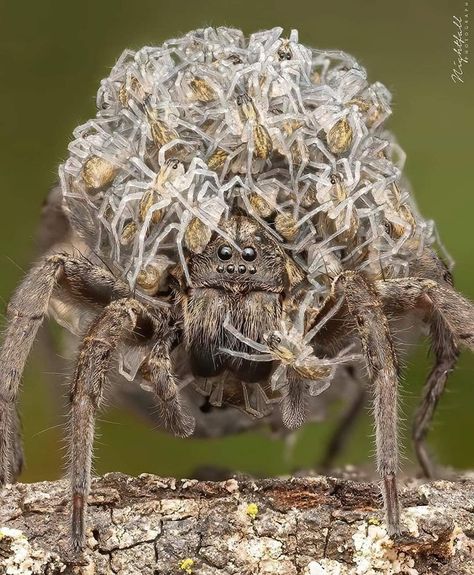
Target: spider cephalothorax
(234, 223)
(245, 283)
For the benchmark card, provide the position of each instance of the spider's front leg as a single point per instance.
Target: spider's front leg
(25, 314)
(366, 308)
(122, 320)
(450, 317)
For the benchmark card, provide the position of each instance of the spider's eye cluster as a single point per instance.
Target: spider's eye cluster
(225, 253)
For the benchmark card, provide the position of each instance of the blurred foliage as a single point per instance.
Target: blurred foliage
(54, 54)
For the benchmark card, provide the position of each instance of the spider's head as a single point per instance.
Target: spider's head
(252, 261)
(245, 277)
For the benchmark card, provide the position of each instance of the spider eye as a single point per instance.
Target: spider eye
(235, 59)
(249, 254)
(273, 339)
(224, 253)
(173, 163)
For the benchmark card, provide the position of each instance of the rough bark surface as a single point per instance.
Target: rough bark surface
(316, 526)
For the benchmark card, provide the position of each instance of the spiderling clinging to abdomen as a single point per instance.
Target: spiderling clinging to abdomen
(234, 224)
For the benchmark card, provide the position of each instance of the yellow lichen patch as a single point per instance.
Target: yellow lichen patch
(374, 521)
(187, 565)
(252, 510)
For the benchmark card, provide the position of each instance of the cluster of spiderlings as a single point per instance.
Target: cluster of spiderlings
(294, 136)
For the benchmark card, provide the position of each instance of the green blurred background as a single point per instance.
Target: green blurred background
(53, 55)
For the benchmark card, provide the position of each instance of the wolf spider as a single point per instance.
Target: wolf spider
(235, 298)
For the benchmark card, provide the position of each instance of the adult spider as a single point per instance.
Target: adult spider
(226, 200)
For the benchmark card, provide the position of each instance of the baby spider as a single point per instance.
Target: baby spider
(299, 373)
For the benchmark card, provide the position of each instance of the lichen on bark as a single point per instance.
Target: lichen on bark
(148, 525)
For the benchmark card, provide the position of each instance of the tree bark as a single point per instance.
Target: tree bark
(312, 526)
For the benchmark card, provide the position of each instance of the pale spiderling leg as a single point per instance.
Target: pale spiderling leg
(249, 342)
(247, 356)
(323, 319)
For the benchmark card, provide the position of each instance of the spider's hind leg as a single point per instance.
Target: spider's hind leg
(446, 354)
(451, 320)
(25, 314)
